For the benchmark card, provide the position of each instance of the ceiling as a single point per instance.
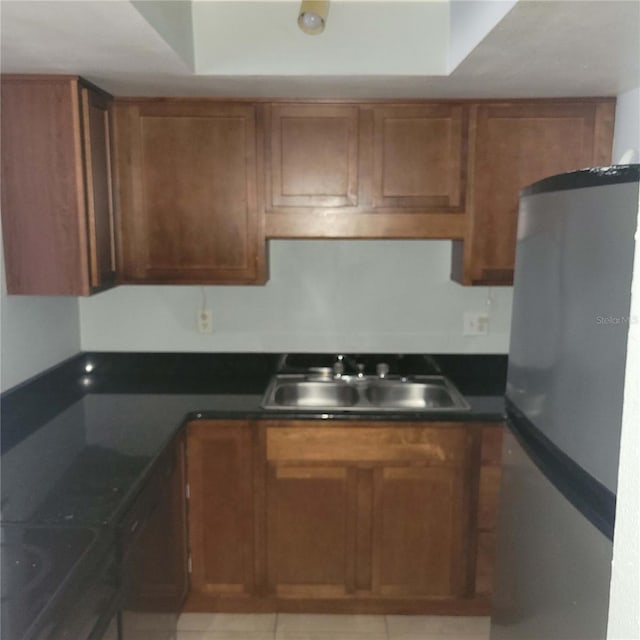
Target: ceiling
(389, 49)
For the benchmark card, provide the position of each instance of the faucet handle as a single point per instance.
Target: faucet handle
(360, 367)
(382, 369)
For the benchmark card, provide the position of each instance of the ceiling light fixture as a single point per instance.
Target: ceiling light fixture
(313, 16)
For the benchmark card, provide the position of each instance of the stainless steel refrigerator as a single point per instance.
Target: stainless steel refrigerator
(564, 400)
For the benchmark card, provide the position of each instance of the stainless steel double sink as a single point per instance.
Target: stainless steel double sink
(362, 393)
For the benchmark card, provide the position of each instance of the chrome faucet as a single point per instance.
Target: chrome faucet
(340, 366)
(382, 369)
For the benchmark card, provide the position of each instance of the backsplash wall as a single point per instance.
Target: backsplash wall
(331, 295)
(37, 333)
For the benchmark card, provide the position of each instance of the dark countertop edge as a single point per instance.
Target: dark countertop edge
(267, 415)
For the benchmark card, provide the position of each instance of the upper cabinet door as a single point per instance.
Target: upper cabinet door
(56, 191)
(97, 161)
(516, 144)
(312, 156)
(187, 186)
(419, 158)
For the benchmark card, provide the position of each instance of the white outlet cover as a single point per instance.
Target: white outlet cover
(204, 321)
(475, 323)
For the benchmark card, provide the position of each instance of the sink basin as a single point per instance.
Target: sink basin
(305, 394)
(363, 393)
(410, 395)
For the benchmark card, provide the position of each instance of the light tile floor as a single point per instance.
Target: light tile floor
(286, 626)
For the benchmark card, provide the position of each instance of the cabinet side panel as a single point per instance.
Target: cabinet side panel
(42, 189)
(163, 578)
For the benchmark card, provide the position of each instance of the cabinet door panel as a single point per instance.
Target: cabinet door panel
(310, 534)
(419, 158)
(188, 194)
(221, 508)
(419, 531)
(313, 156)
(97, 158)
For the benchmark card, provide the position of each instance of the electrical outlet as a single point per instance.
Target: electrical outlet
(204, 321)
(476, 323)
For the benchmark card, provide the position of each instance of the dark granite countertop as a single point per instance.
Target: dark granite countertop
(78, 441)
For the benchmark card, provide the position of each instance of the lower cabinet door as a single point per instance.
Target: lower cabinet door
(310, 530)
(221, 535)
(419, 531)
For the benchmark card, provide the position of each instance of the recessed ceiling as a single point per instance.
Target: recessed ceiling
(540, 48)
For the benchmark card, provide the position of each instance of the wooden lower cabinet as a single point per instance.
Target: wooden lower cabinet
(488, 494)
(310, 530)
(347, 517)
(420, 530)
(221, 512)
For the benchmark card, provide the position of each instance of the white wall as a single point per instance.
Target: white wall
(470, 21)
(624, 603)
(627, 129)
(37, 333)
(334, 295)
(172, 19)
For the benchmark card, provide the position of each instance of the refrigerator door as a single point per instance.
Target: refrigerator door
(553, 567)
(571, 315)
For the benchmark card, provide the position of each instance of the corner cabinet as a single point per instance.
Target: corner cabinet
(57, 205)
(514, 144)
(347, 517)
(187, 192)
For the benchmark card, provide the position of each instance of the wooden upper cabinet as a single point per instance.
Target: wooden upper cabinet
(514, 145)
(57, 208)
(188, 192)
(312, 156)
(365, 170)
(419, 158)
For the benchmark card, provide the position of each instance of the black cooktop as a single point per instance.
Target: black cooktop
(36, 565)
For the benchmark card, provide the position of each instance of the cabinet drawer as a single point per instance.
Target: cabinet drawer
(445, 445)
